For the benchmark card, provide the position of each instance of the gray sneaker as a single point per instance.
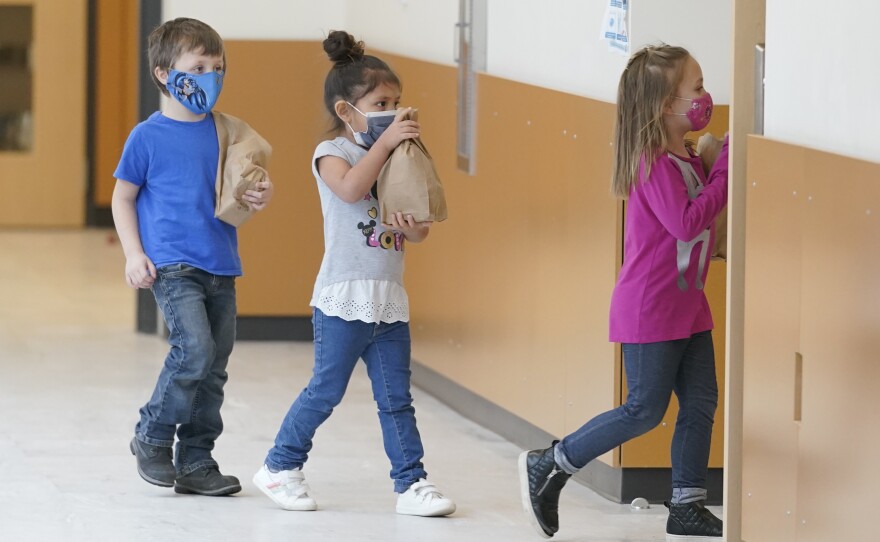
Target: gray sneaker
(155, 464)
(207, 481)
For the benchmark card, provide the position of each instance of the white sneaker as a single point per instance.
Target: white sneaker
(424, 499)
(287, 488)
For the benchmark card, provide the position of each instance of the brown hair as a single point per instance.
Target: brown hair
(353, 75)
(173, 38)
(646, 85)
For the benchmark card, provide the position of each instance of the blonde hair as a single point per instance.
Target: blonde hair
(646, 85)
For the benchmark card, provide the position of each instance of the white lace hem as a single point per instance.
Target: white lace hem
(371, 301)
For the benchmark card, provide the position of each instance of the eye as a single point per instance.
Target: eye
(381, 104)
(397, 105)
(219, 69)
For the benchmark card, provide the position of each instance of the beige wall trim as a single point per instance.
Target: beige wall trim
(748, 30)
(620, 485)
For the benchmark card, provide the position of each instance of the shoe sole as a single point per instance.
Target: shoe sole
(440, 512)
(526, 495)
(310, 507)
(228, 490)
(691, 538)
(150, 479)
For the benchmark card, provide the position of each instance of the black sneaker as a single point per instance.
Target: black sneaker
(207, 481)
(155, 463)
(541, 480)
(692, 522)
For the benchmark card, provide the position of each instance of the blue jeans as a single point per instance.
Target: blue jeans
(385, 349)
(653, 372)
(199, 310)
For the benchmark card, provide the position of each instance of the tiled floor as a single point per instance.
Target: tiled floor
(73, 374)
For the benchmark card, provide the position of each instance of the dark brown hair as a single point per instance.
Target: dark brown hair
(353, 75)
(182, 35)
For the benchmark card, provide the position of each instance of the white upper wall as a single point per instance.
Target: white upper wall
(262, 19)
(822, 83)
(548, 43)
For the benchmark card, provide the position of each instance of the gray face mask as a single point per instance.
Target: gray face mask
(377, 123)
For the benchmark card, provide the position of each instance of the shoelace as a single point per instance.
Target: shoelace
(426, 491)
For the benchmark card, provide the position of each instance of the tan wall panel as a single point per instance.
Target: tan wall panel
(772, 336)
(277, 86)
(116, 93)
(840, 340)
(53, 173)
(510, 295)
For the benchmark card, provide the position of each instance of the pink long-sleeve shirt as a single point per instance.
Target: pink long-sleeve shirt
(669, 235)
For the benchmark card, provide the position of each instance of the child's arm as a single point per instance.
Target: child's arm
(351, 183)
(139, 269)
(414, 232)
(667, 196)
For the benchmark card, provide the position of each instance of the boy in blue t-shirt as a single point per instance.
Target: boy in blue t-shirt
(163, 207)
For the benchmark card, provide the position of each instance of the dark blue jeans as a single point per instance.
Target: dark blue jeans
(653, 372)
(385, 349)
(199, 310)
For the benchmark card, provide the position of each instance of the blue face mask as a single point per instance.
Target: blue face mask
(196, 92)
(377, 123)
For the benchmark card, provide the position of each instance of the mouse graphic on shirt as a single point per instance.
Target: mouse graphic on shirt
(387, 239)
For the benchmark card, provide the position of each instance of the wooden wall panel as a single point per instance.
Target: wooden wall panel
(116, 76)
(277, 86)
(840, 340)
(812, 262)
(510, 295)
(46, 186)
(772, 337)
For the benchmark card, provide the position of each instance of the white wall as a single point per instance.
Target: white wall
(705, 28)
(423, 29)
(822, 78)
(263, 19)
(548, 43)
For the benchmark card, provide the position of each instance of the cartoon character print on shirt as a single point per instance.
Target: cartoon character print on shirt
(387, 239)
(187, 89)
(686, 248)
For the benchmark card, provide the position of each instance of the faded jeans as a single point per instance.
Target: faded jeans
(199, 310)
(653, 372)
(385, 349)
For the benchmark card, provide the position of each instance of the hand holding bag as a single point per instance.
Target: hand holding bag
(409, 183)
(244, 155)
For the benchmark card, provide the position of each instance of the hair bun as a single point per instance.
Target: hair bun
(342, 48)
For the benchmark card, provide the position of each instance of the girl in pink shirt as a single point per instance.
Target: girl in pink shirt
(659, 311)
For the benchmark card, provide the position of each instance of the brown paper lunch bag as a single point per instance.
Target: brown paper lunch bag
(244, 155)
(408, 182)
(708, 147)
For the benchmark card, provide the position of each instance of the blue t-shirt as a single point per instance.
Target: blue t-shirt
(175, 165)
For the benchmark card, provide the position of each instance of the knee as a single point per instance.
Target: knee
(394, 402)
(646, 417)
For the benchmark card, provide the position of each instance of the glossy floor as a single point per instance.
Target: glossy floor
(73, 374)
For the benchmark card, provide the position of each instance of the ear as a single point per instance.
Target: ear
(161, 74)
(343, 111)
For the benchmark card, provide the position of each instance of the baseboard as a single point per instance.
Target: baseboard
(620, 485)
(274, 328)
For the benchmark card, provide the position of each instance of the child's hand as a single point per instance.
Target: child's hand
(260, 196)
(398, 131)
(140, 271)
(412, 230)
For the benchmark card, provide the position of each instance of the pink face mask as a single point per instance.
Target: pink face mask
(700, 111)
